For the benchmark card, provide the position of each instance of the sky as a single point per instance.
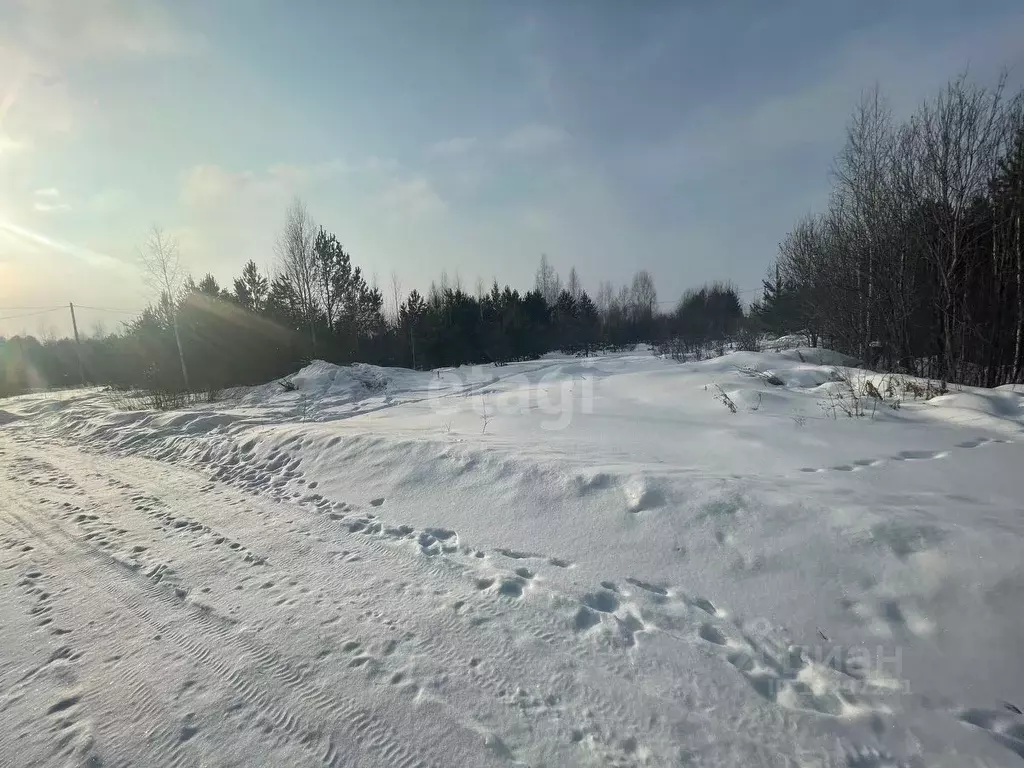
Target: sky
(684, 138)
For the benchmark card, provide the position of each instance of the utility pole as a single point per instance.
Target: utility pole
(78, 343)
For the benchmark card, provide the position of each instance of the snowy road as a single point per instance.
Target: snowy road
(238, 593)
(164, 631)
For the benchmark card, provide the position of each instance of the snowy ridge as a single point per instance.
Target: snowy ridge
(558, 562)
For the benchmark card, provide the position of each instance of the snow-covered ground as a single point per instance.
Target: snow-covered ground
(561, 562)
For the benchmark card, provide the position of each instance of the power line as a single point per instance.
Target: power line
(12, 309)
(111, 309)
(43, 310)
(30, 314)
(46, 310)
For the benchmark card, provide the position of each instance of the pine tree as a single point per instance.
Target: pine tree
(283, 305)
(410, 316)
(589, 323)
(251, 288)
(334, 275)
(209, 286)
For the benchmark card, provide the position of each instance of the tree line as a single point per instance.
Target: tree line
(203, 337)
(916, 265)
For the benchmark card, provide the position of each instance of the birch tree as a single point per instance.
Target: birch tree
(163, 273)
(297, 264)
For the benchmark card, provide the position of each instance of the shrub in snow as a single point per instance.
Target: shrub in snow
(766, 376)
(747, 340)
(161, 400)
(724, 398)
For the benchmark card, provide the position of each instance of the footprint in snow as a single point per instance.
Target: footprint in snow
(653, 589)
(515, 554)
(976, 442)
(511, 588)
(585, 619)
(1005, 727)
(705, 605)
(920, 455)
(867, 462)
(605, 602)
(712, 634)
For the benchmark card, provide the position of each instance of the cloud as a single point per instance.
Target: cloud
(47, 200)
(459, 145)
(225, 213)
(205, 187)
(227, 216)
(101, 28)
(53, 245)
(214, 190)
(42, 41)
(534, 139)
(411, 198)
(50, 207)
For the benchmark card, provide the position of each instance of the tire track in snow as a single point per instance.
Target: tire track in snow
(361, 726)
(464, 654)
(452, 659)
(614, 672)
(371, 540)
(164, 742)
(480, 668)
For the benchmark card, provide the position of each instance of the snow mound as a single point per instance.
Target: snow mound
(328, 379)
(642, 494)
(999, 403)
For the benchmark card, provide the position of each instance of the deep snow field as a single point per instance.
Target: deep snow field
(562, 562)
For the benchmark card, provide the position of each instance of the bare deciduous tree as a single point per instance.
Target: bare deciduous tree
(605, 297)
(643, 296)
(861, 182)
(622, 299)
(547, 281)
(161, 264)
(916, 265)
(962, 133)
(573, 285)
(396, 295)
(296, 262)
